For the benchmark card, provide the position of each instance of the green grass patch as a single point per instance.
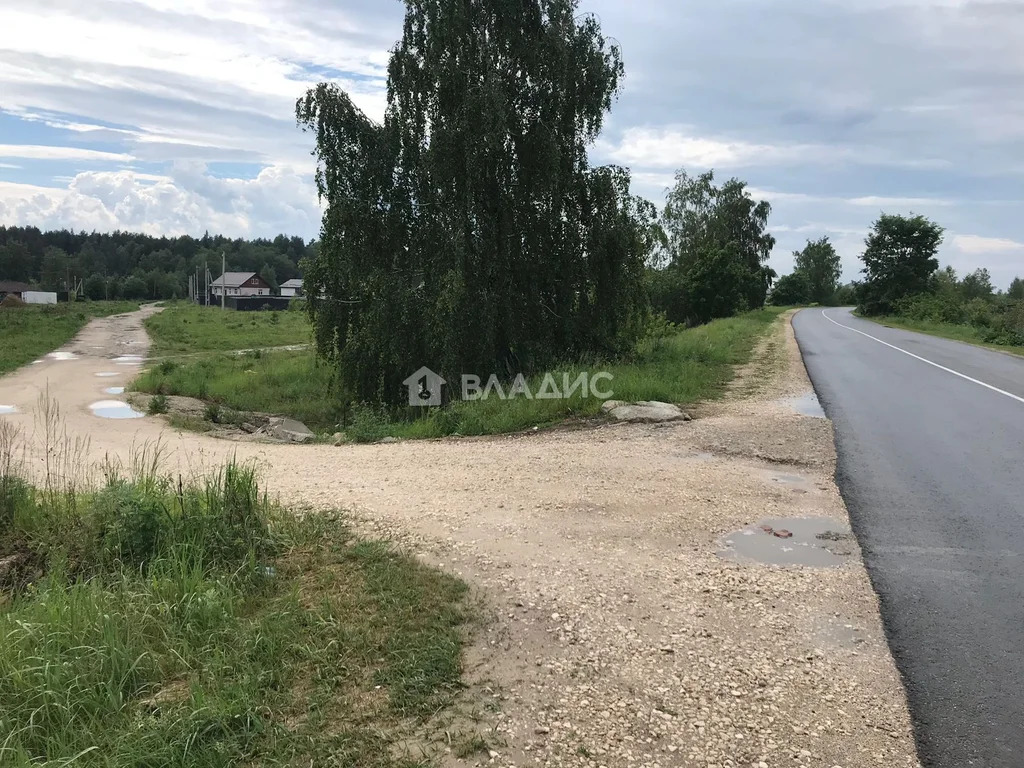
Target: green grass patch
(160, 622)
(185, 328)
(32, 331)
(680, 366)
(969, 334)
(293, 384)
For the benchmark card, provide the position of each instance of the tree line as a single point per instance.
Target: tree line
(129, 265)
(902, 278)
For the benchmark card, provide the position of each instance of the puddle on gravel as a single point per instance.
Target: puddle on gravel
(107, 374)
(114, 391)
(62, 356)
(114, 409)
(817, 542)
(7, 409)
(806, 404)
(128, 360)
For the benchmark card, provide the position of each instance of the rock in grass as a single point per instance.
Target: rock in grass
(646, 412)
(289, 430)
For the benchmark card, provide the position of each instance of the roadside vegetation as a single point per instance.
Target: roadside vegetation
(31, 331)
(186, 328)
(904, 286)
(160, 621)
(672, 364)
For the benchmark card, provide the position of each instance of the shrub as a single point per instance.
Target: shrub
(367, 423)
(157, 404)
(213, 413)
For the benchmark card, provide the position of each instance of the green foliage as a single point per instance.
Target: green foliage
(33, 331)
(294, 384)
(157, 404)
(717, 248)
(367, 423)
(899, 261)
(162, 265)
(468, 232)
(792, 290)
(195, 625)
(671, 364)
(977, 285)
(966, 310)
(1016, 291)
(186, 328)
(820, 265)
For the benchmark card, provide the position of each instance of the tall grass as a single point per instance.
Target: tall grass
(160, 621)
(678, 366)
(32, 331)
(185, 328)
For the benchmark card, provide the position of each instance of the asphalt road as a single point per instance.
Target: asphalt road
(931, 465)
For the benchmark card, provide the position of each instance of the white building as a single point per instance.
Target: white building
(292, 287)
(240, 284)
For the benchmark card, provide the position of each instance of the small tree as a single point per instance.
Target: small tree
(977, 285)
(820, 265)
(899, 260)
(95, 287)
(1016, 291)
(717, 239)
(792, 289)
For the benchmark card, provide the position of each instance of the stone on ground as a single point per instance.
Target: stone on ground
(645, 412)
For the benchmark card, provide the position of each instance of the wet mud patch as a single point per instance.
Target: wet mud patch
(114, 409)
(806, 404)
(813, 542)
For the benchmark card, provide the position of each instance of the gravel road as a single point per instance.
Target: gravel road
(620, 636)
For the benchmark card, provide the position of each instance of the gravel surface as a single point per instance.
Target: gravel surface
(619, 636)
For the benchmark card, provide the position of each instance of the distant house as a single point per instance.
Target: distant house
(13, 287)
(240, 284)
(292, 287)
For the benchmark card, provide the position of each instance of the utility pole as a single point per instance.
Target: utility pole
(206, 296)
(223, 279)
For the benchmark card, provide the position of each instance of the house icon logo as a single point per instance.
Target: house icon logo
(424, 388)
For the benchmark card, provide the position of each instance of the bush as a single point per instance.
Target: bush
(157, 404)
(367, 423)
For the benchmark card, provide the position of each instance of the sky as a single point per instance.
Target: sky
(177, 116)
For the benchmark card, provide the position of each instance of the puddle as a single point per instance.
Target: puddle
(128, 360)
(806, 404)
(817, 542)
(114, 391)
(107, 374)
(62, 356)
(7, 409)
(36, 362)
(114, 409)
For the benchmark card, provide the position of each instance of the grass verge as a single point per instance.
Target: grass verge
(31, 331)
(683, 366)
(185, 328)
(158, 622)
(968, 334)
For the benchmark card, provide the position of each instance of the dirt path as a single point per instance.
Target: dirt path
(620, 636)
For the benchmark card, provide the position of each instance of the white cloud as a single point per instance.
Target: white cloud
(188, 201)
(975, 245)
(38, 152)
(676, 147)
(875, 201)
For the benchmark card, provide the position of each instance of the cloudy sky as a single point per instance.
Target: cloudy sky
(176, 116)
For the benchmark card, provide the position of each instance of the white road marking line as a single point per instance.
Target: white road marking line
(925, 360)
